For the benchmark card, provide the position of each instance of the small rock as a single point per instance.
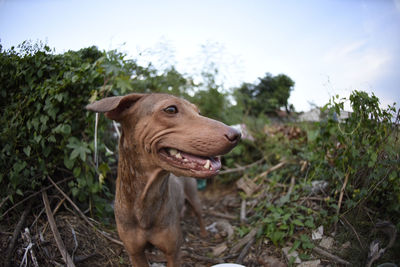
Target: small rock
(317, 233)
(294, 254)
(319, 186)
(225, 229)
(157, 265)
(327, 242)
(212, 228)
(314, 263)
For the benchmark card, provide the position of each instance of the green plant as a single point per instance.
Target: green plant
(358, 155)
(46, 130)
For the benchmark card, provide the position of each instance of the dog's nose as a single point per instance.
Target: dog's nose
(233, 135)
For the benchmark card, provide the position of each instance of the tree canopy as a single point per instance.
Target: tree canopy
(270, 94)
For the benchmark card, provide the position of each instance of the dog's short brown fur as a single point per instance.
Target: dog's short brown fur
(161, 134)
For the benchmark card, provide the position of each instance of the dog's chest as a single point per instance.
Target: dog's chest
(160, 208)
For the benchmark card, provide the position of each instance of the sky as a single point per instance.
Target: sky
(327, 47)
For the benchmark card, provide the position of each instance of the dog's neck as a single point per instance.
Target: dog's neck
(141, 189)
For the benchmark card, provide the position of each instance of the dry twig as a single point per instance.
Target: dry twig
(243, 211)
(346, 179)
(245, 240)
(245, 250)
(221, 215)
(355, 232)
(273, 168)
(330, 256)
(17, 230)
(60, 244)
(106, 235)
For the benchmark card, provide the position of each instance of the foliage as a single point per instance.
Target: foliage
(45, 127)
(363, 147)
(266, 97)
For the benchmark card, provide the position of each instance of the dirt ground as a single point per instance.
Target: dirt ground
(88, 246)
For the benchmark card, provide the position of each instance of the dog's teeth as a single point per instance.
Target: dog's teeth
(185, 160)
(207, 165)
(178, 156)
(210, 168)
(173, 151)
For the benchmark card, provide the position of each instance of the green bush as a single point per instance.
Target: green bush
(46, 131)
(365, 148)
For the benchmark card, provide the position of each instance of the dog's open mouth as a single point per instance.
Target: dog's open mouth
(203, 166)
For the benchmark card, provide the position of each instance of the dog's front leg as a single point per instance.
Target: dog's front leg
(138, 259)
(135, 244)
(169, 241)
(173, 259)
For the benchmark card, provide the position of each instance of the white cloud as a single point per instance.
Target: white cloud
(356, 63)
(344, 50)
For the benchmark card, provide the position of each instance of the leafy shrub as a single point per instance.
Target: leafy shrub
(46, 131)
(364, 147)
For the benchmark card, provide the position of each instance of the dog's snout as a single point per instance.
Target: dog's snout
(233, 135)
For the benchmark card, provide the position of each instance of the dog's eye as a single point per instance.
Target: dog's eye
(171, 110)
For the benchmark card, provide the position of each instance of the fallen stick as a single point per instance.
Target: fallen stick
(60, 244)
(330, 256)
(245, 240)
(54, 213)
(221, 215)
(346, 179)
(245, 251)
(83, 215)
(243, 212)
(16, 232)
(355, 232)
(273, 168)
(292, 183)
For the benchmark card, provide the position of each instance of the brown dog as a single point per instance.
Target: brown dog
(161, 134)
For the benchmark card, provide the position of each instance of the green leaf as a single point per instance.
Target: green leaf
(19, 166)
(27, 150)
(277, 237)
(298, 222)
(68, 162)
(75, 78)
(65, 129)
(75, 191)
(309, 224)
(296, 245)
(76, 172)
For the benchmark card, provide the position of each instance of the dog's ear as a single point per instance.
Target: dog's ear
(114, 106)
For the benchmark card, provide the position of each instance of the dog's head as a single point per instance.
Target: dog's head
(169, 132)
